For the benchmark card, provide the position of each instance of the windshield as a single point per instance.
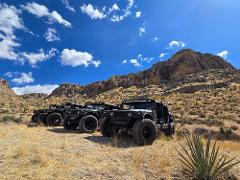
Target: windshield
(138, 106)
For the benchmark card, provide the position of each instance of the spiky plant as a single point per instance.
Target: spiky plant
(203, 163)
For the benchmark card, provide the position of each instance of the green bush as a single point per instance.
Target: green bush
(203, 163)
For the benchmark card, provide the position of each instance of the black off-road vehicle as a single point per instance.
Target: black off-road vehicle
(140, 118)
(86, 117)
(54, 115)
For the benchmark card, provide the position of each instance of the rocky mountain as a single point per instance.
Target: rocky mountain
(182, 63)
(5, 90)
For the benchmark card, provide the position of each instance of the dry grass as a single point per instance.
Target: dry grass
(43, 153)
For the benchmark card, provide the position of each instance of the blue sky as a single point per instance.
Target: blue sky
(46, 43)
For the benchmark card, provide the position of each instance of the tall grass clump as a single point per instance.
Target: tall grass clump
(203, 162)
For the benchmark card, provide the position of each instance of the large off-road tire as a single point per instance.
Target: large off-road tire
(88, 124)
(144, 132)
(68, 125)
(35, 118)
(106, 128)
(42, 118)
(170, 130)
(54, 119)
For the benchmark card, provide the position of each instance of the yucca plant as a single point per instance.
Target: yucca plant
(203, 162)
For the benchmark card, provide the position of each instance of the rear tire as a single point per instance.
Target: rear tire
(88, 124)
(106, 128)
(69, 126)
(144, 132)
(42, 118)
(54, 119)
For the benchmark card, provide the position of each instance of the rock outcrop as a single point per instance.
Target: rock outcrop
(182, 63)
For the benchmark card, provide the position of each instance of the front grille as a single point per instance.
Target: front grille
(120, 114)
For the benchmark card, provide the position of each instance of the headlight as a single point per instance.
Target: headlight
(129, 114)
(111, 113)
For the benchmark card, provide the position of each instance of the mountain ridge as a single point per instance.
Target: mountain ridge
(184, 62)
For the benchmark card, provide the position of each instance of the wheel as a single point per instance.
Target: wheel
(144, 132)
(69, 126)
(170, 130)
(106, 128)
(42, 118)
(35, 118)
(88, 124)
(54, 119)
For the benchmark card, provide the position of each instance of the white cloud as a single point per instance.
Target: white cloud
(91, 12)
(142, 30)
(223, 54)
(25, 78)
(50, 35)
(174, 44)
(155, 39)
(113, 8)
(76, 58)
(9, 22)
(42, 11)
(135, 62)
(34, 58)
(138, 14)
(162, 55)
(46, 89)
(67, 5)
(8, 74)
(124, 61)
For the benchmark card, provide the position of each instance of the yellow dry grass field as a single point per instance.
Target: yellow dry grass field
(53, 153)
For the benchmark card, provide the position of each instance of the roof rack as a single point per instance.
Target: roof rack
(138, 100)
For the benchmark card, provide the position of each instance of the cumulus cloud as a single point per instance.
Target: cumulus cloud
(46, 89)
(174, 44)
(68, 6)
(9, 22)
(40, 56)
(71, 57)
(114, 13)
(135, 62)
(155, 39)
(138, 14)
(50, 35)
(113, 8)
(92, 12)
(223, 54)
(162, 55)
(142, 30)
(124, 61)
(42, 11)
(25, 78)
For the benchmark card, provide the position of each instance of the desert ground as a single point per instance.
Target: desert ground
(53, 153)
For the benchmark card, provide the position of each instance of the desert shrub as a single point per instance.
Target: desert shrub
(182, 132)
(202, 115)
(203, 163)
(225, 132)
(234, 127)
(9, 118)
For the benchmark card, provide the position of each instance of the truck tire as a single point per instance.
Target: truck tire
(144, 132)
(35, 118)
(106, 128)
(88, 124)
(54, 119)
(170, 130)
(42, 118)
(69, 126)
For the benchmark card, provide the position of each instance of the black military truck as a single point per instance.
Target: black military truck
(141, 118)
(86, 118)
(54, 115)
